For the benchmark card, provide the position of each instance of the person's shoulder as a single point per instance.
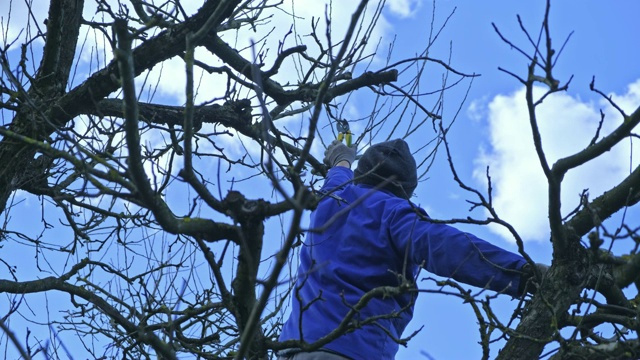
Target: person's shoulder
(407, 207)
(390, 201)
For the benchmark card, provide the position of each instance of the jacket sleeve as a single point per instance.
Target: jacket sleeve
(338, 176)
(446, 251)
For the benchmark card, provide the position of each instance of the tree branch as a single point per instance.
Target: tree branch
(605, 144)
(626, 193)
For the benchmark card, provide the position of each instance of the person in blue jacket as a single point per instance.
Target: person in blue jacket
(365, 234)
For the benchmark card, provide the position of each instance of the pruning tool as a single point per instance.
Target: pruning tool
(343, 131)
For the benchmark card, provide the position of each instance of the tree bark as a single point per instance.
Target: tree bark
(63, 27)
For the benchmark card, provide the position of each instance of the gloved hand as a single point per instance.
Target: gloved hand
(337, 151)
(528, 277)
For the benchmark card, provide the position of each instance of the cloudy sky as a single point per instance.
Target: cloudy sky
(492, 129)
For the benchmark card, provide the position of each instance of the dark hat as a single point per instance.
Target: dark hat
(389, 161)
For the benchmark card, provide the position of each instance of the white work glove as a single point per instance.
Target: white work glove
(337, 151)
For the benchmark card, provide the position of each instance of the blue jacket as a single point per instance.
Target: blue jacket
(365, 247)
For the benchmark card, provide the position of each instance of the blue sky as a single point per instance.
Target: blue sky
(491, 128)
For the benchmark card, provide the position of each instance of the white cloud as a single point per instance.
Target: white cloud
(477, 110)
(404, 8)
(567, 125)
(290, 16)
(295, 16)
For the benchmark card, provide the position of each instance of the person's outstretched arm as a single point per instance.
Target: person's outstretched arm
(446, 251)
